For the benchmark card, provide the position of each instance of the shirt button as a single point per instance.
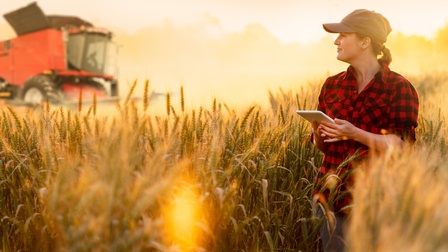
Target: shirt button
(355, 92)
(351, 108)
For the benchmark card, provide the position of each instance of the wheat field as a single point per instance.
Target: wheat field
(212, 178)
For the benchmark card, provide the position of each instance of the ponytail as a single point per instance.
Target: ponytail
(386, 56)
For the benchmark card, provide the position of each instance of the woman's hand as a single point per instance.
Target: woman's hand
(342, 130)
(337, 131)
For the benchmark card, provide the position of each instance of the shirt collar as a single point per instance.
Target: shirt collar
(380, 76)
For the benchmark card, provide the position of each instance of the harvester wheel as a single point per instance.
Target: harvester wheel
(40, 89)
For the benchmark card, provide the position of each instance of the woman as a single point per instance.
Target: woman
(373, 108)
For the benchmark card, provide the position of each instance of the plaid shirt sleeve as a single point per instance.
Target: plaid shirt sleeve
(404, 110)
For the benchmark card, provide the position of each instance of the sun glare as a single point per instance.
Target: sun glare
(182, 218)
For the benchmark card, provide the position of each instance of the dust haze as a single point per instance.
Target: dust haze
(235, 67)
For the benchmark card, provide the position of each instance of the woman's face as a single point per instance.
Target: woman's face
(349, 47)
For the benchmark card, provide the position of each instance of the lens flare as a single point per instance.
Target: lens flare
(182, 218)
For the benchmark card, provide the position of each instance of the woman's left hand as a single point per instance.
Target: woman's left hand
(337, 131)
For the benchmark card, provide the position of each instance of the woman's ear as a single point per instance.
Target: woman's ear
(366, 42)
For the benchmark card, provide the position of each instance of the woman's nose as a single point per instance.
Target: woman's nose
(336, 41)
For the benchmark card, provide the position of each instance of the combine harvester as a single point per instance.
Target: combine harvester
(56, 59)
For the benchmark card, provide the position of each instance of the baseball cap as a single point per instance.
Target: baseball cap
(365, 22)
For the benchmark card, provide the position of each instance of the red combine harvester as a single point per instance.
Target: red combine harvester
(56, 58)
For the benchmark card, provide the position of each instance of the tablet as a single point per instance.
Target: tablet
(312, 115)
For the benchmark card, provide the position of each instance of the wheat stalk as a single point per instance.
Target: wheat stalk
(131, 91)
(182, 99)
(146, 95)
(80, 101)
(168, 104)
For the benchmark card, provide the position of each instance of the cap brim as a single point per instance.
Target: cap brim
(337, 28)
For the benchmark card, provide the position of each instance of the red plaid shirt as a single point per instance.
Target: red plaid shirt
(388, 104)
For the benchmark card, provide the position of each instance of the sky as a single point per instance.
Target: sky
(289, 20)
(236, 50)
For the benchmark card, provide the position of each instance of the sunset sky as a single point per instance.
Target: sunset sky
(237, 49)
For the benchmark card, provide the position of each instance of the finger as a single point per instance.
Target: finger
(332, 140)
(328, 133)
(329, 127)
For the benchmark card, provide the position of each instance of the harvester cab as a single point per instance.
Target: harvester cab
(57, 59)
